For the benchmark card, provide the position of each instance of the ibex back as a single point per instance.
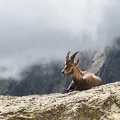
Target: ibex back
(81, 80)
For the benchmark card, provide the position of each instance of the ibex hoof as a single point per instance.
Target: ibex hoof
(70, 90)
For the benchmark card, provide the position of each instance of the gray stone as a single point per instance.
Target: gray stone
(98, 103)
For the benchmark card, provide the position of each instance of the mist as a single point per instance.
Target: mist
(40, 31)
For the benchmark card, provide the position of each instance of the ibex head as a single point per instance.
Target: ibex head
(69, 64)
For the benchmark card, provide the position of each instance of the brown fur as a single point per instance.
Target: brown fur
(81, 80)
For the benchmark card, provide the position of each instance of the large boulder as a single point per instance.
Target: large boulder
(98, 103)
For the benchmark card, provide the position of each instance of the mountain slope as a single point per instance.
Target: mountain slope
(47, 78)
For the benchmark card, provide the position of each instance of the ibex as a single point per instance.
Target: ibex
(81, 80)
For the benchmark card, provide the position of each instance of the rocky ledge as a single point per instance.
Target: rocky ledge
(99, 103)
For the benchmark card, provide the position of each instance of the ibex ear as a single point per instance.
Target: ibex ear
(77, 62)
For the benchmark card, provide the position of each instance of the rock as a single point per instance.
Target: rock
(97, 62)
(98, 103)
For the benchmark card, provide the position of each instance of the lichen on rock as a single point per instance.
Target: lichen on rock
(98, 103)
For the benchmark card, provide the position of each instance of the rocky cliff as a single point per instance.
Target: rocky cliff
(105, 63)
(99, 103)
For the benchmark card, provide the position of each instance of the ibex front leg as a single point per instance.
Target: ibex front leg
(71, 87)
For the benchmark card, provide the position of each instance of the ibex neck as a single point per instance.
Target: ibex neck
(77, 74)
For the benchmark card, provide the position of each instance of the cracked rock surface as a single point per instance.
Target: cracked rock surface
(98, 103)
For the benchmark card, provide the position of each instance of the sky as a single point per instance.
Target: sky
(40, 30)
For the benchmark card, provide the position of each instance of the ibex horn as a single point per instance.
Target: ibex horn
(67, 57)
(73, 56)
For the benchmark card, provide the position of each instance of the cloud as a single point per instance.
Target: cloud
(31, 30)
(109, 29)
